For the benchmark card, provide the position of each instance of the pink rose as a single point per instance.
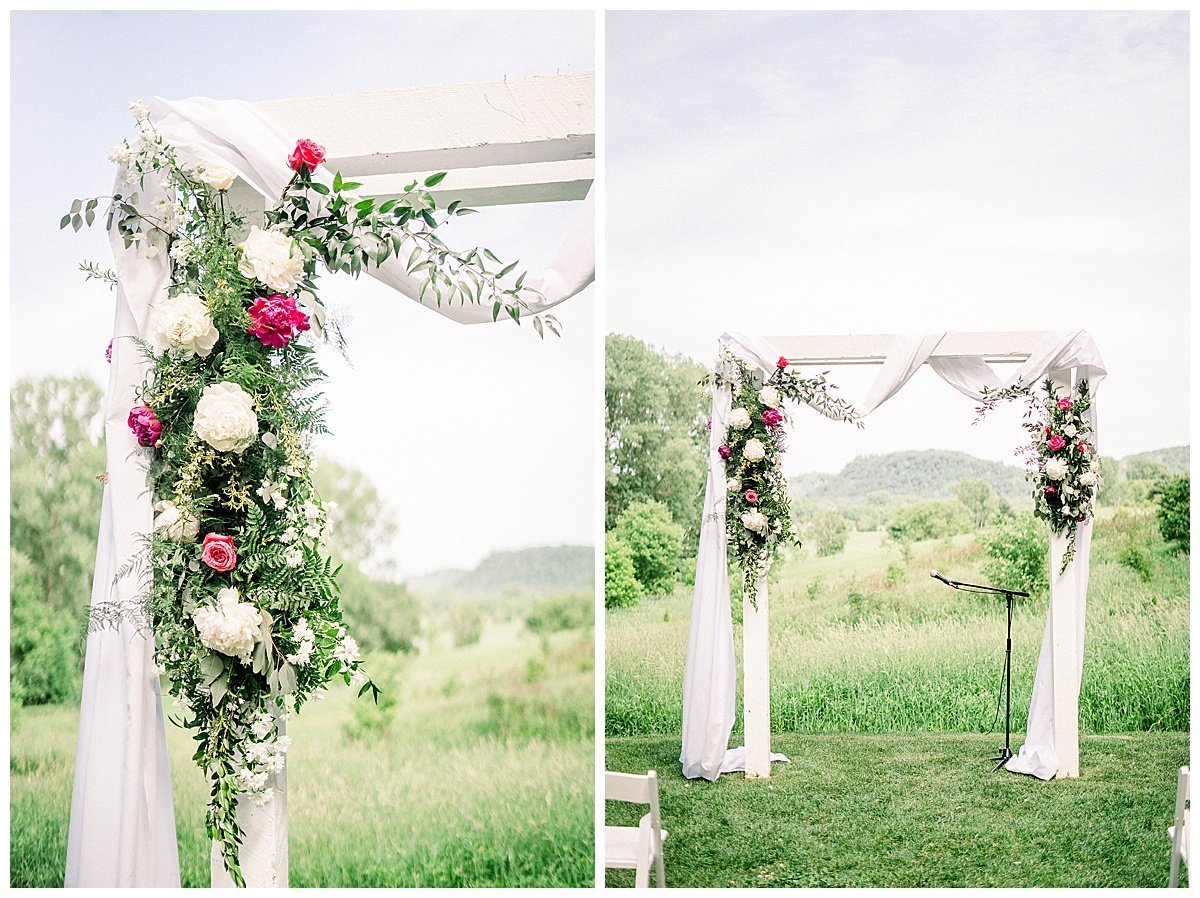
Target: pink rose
(752, 497)
(1064, 404)
(782, 363)
(220, 554)
(307, 154)
(1056, 443)
(724, 452)
(145, 426)
(772, 417)
(275, 320)
(1083, 447)
(1051, 491)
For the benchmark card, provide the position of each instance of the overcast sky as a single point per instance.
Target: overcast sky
(480, 437)
(809, 173)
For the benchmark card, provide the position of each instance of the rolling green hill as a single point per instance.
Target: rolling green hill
(541, 571)
(913, 476)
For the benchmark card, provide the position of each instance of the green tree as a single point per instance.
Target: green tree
(979, 499)
(655, 425)
(362, 527)
(621, 586)
(466, 624)
(656, 542)
(1142, 468)
(935, 519)
(827, 531)
(1017, 551)
(1173, 498)
(381, 614)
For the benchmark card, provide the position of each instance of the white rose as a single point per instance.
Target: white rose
(1055, 469)
(739, 419)
(1069, 431)
(175, 522)
(273, 258)
(754, 520)
(1088, 478)
(769, 396)
(184, 323)
(225, 418)
(754, 450)
(229, 627)
(215, 176)
(733, 485)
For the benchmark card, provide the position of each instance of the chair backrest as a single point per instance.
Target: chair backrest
(1180, 834)
(634, 788)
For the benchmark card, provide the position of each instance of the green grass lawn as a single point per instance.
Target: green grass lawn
(482, 776)
(908, 810)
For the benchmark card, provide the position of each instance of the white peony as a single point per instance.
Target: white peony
(273, 258)
(739, 419)
(215, 176)
(1069, 431)
(733, 485)
(1089, 478)
(229, 627)
(754, 520)
(754, 450)
(1055, 469)
(183, 323)
(175, 522)
(225, 418)
(769, 396)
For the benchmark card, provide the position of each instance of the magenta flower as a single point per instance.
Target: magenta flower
(1051, 491)
(108, 352)
(772, 417)
(1083, 447)
(1056, 443)
(1064, 404)
(782, 363)
(724, 452)
(145, 426)
(275, 320)
(752, 497)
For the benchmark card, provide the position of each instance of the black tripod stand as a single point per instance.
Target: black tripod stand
(1005, 751)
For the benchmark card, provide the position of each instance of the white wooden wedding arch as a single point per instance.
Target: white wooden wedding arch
(964, 361)
(504, 142)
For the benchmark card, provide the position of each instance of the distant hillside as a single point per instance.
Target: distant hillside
(542, 571)
(1177, 458)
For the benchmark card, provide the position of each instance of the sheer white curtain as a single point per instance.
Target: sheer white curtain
(122, 829)
(710, 674)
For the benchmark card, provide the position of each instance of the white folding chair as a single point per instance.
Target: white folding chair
(1179, 832)
(635, 847)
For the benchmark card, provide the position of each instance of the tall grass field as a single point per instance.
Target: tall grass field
(480, 774)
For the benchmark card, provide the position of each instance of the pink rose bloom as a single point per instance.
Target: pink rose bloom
(275, 320)
(1064, 404)
(145, 426)
(108, 352)
(772, 417)
(220, 554)
(1056, 443)
(724, 452)
(1051, 491)
(782, 363)
(752, 497)
(1083, 447)
(307, 154)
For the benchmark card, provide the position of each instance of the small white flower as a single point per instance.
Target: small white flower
(289, 536)
(1055, 469)
(347, 650)
(269, 439)
(140, 112)
(754, 450)
(358, 680)
(318, 695)
(262, 726)
(312, 511)
(184, 323)
(293, 556)
(175, 523)
(271, 493)
(1069, 431)
(225, 417)
(153, 243)
(181, 250)
(739, 419)
(215, 176)
(769, 396)
(121, 153)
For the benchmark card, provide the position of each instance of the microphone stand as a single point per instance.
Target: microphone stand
(1005, 752)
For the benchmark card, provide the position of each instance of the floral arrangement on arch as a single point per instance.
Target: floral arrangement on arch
(758, 515)
(243, 594)
(1060, 457)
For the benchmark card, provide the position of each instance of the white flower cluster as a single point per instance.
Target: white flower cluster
(183, 323)
(306, 643)
(273, 493)
(175, 522)
(346, 650)
(225, 417)
(273, 258)
(230, 627)
(260, 759)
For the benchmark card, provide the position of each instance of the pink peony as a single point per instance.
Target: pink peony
(752, 497)
(1051, 491)
(724, 452)
(782, 363)
(1064, 404)
(145, 426)
(1056, 443)
(108, 352)
(772, 417)
(220, 554)
(275, 320)
(307, 155)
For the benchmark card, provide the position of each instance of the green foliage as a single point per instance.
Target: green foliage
(382, 615)
(1017, 554)
(1174, 510)
(827, 533)
(914, 476)
(656, 542)
(1145, 467)
(538, 571)
(44, 641)
(361, 525)
(978, 498)
(935, 519)
(555, 614)
(621, 586)
(466, 624)
(655, 415)
(1137, 560)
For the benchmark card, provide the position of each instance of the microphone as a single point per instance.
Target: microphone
(937, 576)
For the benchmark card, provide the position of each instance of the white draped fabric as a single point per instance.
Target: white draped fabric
(710, 674)
(122, 829)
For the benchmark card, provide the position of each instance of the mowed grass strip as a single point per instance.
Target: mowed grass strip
(913, 810)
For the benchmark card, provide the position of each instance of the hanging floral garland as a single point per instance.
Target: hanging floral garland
(243, 596)
(1061, 455)
(758, 516)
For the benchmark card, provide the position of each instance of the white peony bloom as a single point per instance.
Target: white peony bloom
(739, 419)
(229, 627)
(175, 522)
(1069, 431)
(273, 258)
(754, 520)
(225, 417)
(1055, 469)
(769, 396)
(184, 323)
(733, 485)
(1088, 478)
(754, 450)
(215, 176)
